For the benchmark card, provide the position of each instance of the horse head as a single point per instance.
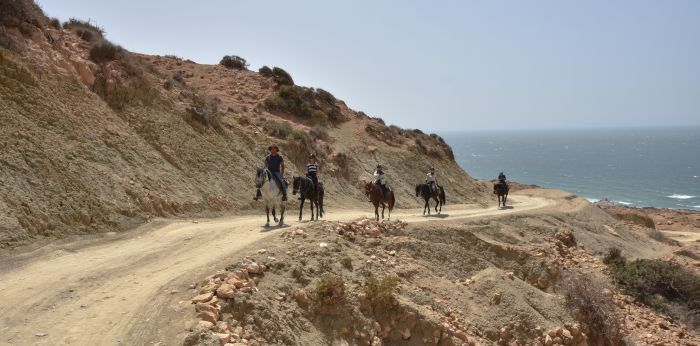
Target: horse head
(260, 175)
(418, 189)
(368, 187)
(296, 184)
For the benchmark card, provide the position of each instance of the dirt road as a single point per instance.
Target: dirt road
(111, 292)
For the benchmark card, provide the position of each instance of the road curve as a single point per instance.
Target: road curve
(106, 293)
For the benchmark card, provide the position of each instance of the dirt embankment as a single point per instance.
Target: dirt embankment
(93, 142)
(500, 279)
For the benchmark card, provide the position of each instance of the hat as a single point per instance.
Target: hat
(312, 156)
(273, 146)
(379, 166)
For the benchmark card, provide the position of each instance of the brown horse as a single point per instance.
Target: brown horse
(374, 192)
(501, 189)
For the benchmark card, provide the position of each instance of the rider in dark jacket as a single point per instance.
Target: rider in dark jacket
(502, 178)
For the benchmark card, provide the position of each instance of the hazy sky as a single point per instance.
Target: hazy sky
(444, 65)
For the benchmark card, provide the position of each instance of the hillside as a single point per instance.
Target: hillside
(97, 139)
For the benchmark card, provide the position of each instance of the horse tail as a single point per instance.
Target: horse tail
(442, 195)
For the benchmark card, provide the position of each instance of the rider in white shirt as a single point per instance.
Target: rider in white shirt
(431, 179)
(380, 179)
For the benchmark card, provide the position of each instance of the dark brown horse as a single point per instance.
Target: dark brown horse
(374, 192)
(305, 187)
(427, 193)
(501, 189)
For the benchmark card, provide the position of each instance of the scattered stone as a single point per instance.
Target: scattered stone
(202, 298)
(226, 291)
(41, 334)
(497, 298)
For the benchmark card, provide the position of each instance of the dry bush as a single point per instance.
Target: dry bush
(319, 118)
(329, 290)
(86, 30)
(55, 23)
(205, 111)
(317, 132)
(634, 217)
(380, 292)
(15, 12)
(105, 51)
(279, 129)
(173, 57)
(660, 237)
(595, 311)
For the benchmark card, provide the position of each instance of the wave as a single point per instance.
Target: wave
(676, 196)
(624, 203)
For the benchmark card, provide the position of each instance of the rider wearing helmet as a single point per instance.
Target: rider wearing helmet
(380, 179)
(312, 170)
(431, 179)
(275, 164)
(502, 178)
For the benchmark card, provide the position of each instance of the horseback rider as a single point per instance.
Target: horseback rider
(380, 179)
(275, 164)
(502, 179)
(431, 180)
(312, 170)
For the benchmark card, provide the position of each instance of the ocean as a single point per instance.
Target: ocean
(640, 167)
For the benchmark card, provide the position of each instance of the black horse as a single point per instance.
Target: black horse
(438, 195)
(305, 187)
(501, 189)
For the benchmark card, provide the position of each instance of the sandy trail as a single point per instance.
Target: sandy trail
(106, 293)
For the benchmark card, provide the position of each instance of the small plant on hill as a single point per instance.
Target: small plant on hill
(174, 57)
(277, 129)
(86, 30)
(660, 237)
(317, 132)
(55, 23)
(635, 217)
(655, 282)
(329, 290)
(380, 292)
(318, 117)
(282, 77)
(595, 310)
(105, 51)
(265, 71)
(233, 61)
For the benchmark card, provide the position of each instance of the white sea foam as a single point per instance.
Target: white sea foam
(625, 203)
(676, 196)
(593, 200)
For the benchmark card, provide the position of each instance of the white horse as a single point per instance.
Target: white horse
(271, 195)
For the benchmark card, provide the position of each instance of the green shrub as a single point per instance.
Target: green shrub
(318, 117)
(105, 51)
(277, 129)
(648, 280)
(174, 57)
(233, 61)
(380, 292)
(265, 71)
(325, 96)
(329, 290)
(282, 77)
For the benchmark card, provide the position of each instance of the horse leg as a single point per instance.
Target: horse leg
(312, 208)
(383, 207)
(301, 207)
(376, 211)
(274, 214)
(267, 212)
(282, 208)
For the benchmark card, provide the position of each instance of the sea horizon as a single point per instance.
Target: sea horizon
(634, 166)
